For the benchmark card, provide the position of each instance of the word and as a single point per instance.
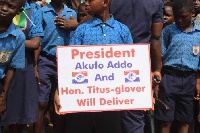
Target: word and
(99, 77)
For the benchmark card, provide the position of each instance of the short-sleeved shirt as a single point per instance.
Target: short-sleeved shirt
(95, 32)
(138, 15)
(12, 49)
(34, 5)
(35, 27)
(54, 36)
(179, 48)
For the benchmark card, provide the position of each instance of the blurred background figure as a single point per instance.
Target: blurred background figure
(197, 11)
(42, 2)
(82, 16)
(74, 4)
(168, 14)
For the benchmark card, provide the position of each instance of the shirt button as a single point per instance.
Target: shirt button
(104, 25)
(104, 34)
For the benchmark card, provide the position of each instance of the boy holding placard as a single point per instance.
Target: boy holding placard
(102, 29)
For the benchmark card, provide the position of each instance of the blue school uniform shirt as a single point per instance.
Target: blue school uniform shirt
(54, 36)
(34, 5)
(97, 32)
(12, 49)
(177, 48)
(35, 27)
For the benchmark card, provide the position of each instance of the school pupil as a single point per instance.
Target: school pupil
(12, 47)
(168, 14)
(54, 19)
(102, 29)
(181, 59)
(22, 101)
(81, 12)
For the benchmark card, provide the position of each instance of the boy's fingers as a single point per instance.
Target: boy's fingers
(197, 97)
(57, 107)
(38, 81)
(71, 17)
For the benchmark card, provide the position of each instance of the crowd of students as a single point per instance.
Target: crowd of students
(28, 65)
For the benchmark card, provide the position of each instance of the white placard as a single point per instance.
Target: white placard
(104, 77)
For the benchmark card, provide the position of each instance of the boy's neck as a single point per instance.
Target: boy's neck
(104, 16)
(4, 26)
(188, 28)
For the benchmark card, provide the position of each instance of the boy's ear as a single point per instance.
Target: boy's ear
(106, 3)
(20, 10)
(193, 13)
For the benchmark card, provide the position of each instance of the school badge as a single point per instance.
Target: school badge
(196, 50)
(4, 56)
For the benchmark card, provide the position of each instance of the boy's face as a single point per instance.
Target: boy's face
(9, 8)
(168, 15)
(183, 18)
(196, 4)
(94, 7)
(82, 13)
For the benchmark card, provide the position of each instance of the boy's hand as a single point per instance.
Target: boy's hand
(67, 24)
(44, 3)
(198, 118)
(156, 78)
(2, 103)
(197, 97)
(57, 105)
(37, 74)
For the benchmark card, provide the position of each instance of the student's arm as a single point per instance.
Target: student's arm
(33, 43)
(57, 105)
(8, 78)
(197, 97)
(155, 49)
(36, 57)
(7, 81)
(37, 32)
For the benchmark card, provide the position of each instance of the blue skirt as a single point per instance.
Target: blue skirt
(22, 99)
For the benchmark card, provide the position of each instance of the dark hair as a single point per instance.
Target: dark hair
(22, 3)
(81, 5)
(188, 5)
(170, 4)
